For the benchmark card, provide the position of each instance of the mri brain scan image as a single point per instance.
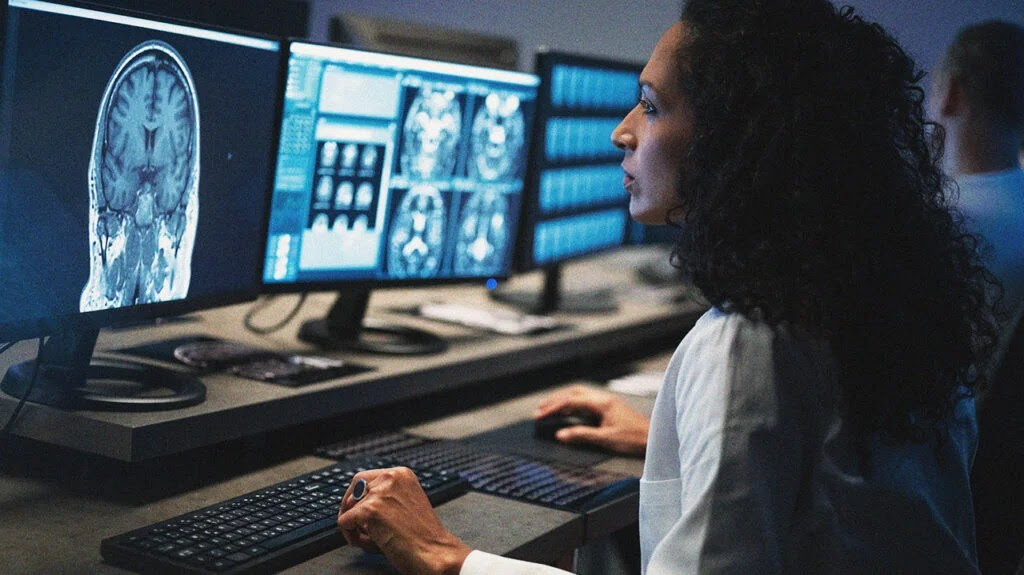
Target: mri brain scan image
(324, 189)
(143, 182)
(343, 198)
(497, 137)
(329, 154)
(414, 245)
(482, 234)
(431, 134)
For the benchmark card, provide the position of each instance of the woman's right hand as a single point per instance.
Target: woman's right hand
(622, 428)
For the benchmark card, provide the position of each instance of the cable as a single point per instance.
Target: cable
(28, 390)
(262, 304)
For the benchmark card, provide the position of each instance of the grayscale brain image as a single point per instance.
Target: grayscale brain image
(431, 134)
(417, 234)
(497, 138)
(483, 234)
(135, 162)
(143, 182)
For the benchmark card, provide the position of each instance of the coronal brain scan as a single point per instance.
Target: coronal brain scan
(497, 138)
(143, 182)
(483, 234)
(431, 134)
(417, 235)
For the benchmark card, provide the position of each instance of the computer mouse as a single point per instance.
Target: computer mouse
(546, 427)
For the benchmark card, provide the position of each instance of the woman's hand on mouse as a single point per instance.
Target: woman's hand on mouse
(622, 428)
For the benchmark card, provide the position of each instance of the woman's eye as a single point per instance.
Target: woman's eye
(646, 105)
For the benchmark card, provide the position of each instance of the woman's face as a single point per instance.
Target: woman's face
(656, 134)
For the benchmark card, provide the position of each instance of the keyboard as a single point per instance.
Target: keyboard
(559, 485)
(262, 531)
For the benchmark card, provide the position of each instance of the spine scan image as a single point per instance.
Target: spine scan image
(497, 139)
(417, 235)
(431, 134)
(482, 235)
(143, 182)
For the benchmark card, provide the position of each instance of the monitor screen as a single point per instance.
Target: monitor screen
(394, 169)
(575, 204)
(135, 164)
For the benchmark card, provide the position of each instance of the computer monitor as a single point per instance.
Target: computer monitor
(393, 171)
(277, 18)
(135, 164)
(574, 204)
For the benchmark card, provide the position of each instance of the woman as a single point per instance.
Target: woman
(818, 417)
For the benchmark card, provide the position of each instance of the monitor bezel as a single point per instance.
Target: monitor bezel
(39, 327)
(300, 286)
(544, 61)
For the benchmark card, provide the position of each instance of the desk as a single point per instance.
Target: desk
(60, 502)
(47, 528)
(236, 407)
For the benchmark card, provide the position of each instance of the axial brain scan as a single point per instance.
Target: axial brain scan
(482, 235)
(143, 182)
(431, 134)
(414, 246)
(497, 138)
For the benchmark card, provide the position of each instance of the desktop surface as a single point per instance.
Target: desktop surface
(237, 407)
(70, 517)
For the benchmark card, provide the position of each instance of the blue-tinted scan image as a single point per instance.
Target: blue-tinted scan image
(420, 181)
(143, 181)
(135, 161)
(431, 133)
(417, 233)
(498, 137)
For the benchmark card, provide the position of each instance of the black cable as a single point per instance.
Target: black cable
(28, 390)
(262, 304)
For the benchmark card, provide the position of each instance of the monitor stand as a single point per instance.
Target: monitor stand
(347, 327)
(67, 376)
(552, 299)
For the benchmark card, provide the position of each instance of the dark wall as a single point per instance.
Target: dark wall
(615, 28)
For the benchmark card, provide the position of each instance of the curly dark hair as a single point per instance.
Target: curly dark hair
(811, 195)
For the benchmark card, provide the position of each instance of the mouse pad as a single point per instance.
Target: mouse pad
(518, 439)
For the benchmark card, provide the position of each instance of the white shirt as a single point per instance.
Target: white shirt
(993, 204)
(748, 471)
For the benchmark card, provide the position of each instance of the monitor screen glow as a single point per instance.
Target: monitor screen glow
(135, 163)
(576, 205)
(396, 170)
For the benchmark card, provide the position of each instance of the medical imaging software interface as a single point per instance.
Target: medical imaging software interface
(580, 206)
(135, 160)
(395, 168)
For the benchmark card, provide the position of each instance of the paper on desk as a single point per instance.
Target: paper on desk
(644, 384)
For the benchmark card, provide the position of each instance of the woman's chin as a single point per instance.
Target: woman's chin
(646, 217)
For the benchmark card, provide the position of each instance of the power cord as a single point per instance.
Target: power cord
(262, 304)
(28, 390)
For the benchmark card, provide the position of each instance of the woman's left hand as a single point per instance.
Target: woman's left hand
(395, 518)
